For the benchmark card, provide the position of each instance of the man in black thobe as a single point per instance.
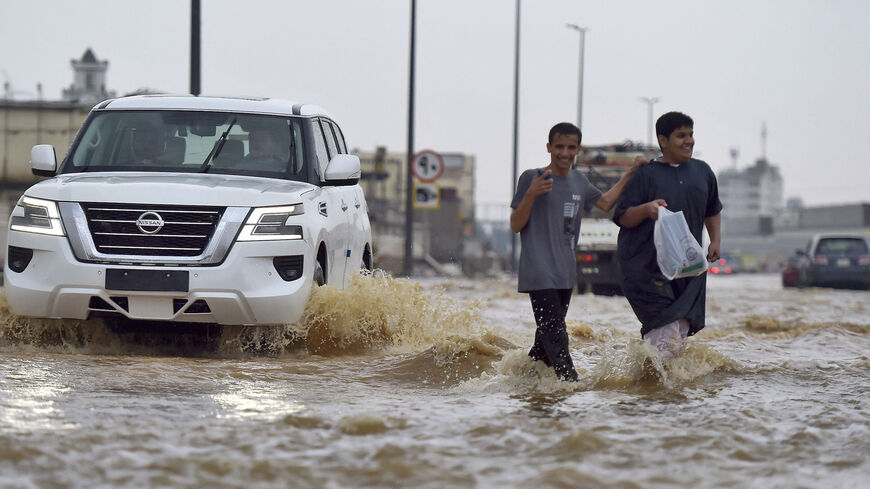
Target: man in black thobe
(669, 311)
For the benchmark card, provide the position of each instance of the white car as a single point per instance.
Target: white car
(189, 209)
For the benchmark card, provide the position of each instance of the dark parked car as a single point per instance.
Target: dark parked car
(790, 271)
(835, 260)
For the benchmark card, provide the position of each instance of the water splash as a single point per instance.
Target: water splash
(372, 314)
(613, 363)
(639, 364)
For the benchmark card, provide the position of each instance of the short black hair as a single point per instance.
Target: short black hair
(670, 122)
(567, 129)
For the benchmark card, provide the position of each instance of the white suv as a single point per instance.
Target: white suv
(193, 209)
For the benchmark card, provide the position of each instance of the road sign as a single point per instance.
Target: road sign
(427, 166)
(427, 196)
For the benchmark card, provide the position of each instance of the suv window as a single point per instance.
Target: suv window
(320, 149)
(330, 138)
(342, 147)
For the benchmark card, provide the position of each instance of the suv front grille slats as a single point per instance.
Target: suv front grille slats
(151, 230)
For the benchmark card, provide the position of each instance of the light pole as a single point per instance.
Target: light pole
(650, 101)
(408, 259)
(582, 31)
(516, 124)
(195, 48)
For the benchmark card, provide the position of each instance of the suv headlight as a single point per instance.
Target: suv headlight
(272, 223)
(33, 215)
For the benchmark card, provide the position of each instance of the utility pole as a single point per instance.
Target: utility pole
(582, 31)
(516, 125)
(194, 46)
(650, 101)
(408, 261)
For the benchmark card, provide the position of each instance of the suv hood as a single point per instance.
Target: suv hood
(171, 188)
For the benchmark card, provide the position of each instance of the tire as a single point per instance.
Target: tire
(605, 289)
(318, 278)
(366, 261)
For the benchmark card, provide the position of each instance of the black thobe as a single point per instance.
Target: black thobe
(690, 187)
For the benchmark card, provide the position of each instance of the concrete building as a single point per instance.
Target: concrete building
(772, 248)
(751, 192)
(24, 124)
(89, 80)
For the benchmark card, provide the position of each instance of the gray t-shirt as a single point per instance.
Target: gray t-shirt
(548, 256)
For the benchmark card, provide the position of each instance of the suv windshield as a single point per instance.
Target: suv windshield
(182, 141)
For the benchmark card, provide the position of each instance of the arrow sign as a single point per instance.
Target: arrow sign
(427, 166)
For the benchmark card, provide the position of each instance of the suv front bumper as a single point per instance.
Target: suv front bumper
(245, 288)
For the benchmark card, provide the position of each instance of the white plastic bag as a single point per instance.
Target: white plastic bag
(678, 252)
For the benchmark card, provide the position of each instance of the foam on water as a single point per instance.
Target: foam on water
(369, 424)
(775, 328)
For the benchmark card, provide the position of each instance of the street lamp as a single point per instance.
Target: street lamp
(582, 31)
(516, 124)
(650, 101)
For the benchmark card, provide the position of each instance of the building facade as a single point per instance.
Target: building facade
(439, 233)
(89, 80)
(25, 124)
(751, 192)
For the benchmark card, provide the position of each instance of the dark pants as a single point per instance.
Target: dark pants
(551, 339)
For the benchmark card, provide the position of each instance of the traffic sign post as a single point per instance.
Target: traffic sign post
(427, 195)
(427, 166)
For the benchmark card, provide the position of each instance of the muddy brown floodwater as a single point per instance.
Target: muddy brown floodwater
(426, 384)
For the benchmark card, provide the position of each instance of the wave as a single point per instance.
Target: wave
(451, 360)
(775, 328)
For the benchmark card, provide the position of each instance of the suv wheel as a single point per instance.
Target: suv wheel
(319, 277)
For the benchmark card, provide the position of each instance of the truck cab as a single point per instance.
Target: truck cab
(604, 165)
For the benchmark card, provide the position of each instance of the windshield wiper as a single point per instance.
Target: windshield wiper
(216, 150)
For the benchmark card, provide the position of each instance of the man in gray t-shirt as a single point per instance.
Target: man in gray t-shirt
(546, 212)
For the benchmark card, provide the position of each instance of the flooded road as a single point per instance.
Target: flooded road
(427, 385)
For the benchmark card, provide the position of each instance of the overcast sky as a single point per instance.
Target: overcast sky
(801, 67)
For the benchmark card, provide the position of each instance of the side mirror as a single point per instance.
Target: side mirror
(800, 252)
(43, 160)
(343, 170)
